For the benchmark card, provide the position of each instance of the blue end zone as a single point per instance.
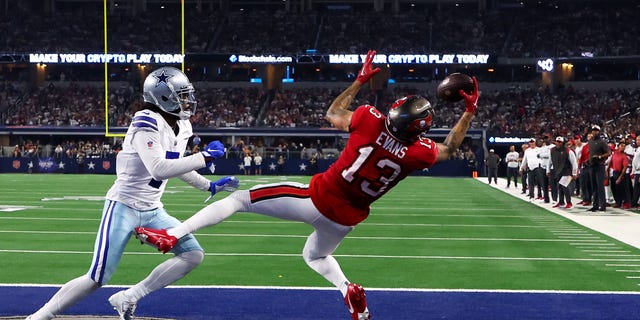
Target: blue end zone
(241, 303)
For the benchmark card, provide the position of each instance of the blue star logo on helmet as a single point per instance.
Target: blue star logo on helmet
(162, 78)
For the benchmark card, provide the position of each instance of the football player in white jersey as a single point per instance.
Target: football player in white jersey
(151, 153)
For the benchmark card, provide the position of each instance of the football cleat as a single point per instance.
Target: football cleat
(158, 239)
(122, 305)
(356, 302)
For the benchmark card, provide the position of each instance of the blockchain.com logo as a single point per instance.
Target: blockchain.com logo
(233, 58)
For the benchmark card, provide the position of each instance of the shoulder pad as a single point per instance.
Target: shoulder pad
(145, 119)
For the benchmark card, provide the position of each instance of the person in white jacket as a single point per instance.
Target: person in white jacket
(532, 165)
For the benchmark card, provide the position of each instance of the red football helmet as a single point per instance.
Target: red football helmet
(409, 117)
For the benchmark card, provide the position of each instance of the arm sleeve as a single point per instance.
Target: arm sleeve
(154, 157)
(196, 180)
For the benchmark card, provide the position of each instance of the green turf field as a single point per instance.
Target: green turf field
(449, 233)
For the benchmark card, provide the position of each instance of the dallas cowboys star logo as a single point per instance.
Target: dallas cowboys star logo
(163, 77)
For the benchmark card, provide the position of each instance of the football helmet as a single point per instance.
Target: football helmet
(170, 90)
(409, 117)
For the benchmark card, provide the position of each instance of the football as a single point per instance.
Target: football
(449, 88)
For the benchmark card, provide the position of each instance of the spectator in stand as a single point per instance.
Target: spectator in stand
(16, 152)
(246, 163)
(618, 165)
(512, 166)
(257, 163)
(280, 164)
(598, 154)
(58, 152)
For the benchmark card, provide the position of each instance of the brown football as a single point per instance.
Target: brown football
(449, 88)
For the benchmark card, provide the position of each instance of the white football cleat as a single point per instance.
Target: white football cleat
(123, 305)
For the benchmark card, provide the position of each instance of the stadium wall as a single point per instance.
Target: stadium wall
(452, 168)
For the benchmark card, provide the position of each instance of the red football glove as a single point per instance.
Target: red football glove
(366, 72)
(471, 100)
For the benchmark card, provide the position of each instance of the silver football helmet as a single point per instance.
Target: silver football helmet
(170, 90)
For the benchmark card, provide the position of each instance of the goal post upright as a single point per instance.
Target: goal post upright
(106, 63)
(106, 76)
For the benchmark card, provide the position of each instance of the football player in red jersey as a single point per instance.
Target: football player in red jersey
(381, 151)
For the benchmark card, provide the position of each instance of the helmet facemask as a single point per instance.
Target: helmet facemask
(170, 90)
(409, 117)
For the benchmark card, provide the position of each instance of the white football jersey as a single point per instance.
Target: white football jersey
(152, 153)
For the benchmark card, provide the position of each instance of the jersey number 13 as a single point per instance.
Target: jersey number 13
(351, 173)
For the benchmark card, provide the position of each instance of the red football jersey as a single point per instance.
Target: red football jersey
(371, 164)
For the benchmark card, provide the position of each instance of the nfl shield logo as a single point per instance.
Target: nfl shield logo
(149, 144)
(106, 164)
(16, 164)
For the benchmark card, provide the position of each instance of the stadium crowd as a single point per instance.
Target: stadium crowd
(514, 110)
(78, 27)
(569, 29)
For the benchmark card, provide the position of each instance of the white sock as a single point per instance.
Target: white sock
(70, 293)
(343, 288)
(165, 274)
(211, 214)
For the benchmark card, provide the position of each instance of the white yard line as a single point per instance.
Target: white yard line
(444, 290)
(365, 256)
(573, 241)
(619, 224)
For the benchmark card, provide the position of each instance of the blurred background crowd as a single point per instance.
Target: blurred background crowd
(518, 103)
